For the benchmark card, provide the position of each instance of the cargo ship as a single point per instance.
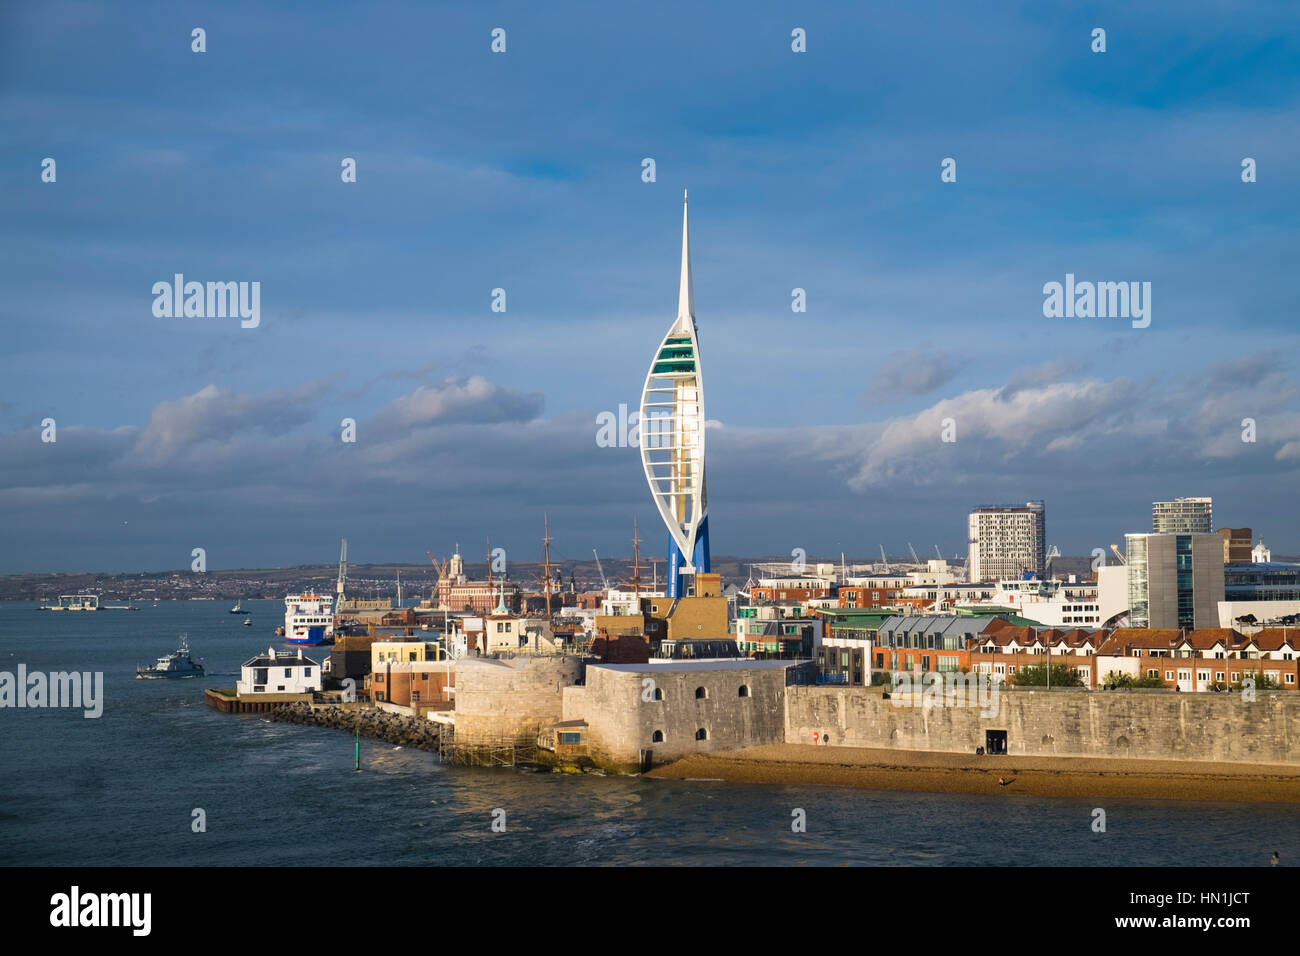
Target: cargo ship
(308, 619)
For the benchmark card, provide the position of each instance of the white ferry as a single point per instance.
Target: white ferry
(308, 619)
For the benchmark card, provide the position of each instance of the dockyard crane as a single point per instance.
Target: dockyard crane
(913, 550)
(1119, 554)
(884, 560)
(343, 571)
(1052, 552)
(938, 552)
(603, 582)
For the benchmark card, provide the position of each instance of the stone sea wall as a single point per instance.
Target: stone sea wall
(1158, 725)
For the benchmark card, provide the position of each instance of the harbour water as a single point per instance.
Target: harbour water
(122, 789)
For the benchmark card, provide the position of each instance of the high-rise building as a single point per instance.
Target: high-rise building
(1007, 541)
(1174, 580)
(1183, 516)
(1236, 544)
(672, 435)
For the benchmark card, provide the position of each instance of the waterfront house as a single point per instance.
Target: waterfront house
(279, 672)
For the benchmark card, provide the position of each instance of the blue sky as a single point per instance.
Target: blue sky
(522, 170)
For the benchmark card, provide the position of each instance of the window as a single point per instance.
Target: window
(744, 691)
(1152, 672)
(659, 695)
(1169, 675)
(1290, 678)
(701, 734)
(288, 672)
(701, 694)
(657, 737)
(570, 738)
(306, 671)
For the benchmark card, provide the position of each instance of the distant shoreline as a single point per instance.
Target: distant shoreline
(1069, 777)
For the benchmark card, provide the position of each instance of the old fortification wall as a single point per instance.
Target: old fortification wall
(513, 696)
(1158, 725)
(623, 722)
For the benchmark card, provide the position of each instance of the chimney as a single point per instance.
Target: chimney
(300, 653)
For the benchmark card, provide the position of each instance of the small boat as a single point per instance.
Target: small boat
(176, 664)
(248, 622)
(239, 608)
(279, 631)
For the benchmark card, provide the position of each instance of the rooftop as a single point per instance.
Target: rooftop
(736, 664)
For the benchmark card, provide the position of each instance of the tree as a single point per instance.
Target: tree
(1035, 675)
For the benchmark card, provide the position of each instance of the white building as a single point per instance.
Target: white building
(279, 672)
(1064, 603)
(1260, 554)
(1007, 541)
(1183, 516)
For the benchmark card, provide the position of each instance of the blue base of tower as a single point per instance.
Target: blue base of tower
(677, 581)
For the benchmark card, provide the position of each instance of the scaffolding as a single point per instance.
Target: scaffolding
(489, 750)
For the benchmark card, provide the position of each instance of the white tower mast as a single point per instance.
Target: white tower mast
(672, 420)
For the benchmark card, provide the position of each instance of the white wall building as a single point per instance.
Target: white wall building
(279, 672)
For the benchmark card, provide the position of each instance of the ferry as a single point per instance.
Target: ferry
(308, 619)
(176, 664)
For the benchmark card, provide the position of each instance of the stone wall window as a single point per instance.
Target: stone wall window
(701, 734)
(701, 694)
(657, 737)
(744, 691)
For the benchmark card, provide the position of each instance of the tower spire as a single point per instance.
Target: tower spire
(686, 293)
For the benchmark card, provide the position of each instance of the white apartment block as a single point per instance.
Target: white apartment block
(1007, 541)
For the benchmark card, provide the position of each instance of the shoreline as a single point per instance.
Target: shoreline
(370, 722)
(1067, 777)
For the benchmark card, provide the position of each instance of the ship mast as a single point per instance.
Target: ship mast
(546, 561)
(636, 566)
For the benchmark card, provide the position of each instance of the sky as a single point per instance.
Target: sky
(523, 170)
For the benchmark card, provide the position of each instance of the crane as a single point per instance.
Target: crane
(343, 570)
(1052, 552)
(913, 550)
(1118, 554)
(884, 560)
(938, 552)
(603, 582)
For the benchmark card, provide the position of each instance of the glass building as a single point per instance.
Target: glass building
(1174, 580)
(1183, 516)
